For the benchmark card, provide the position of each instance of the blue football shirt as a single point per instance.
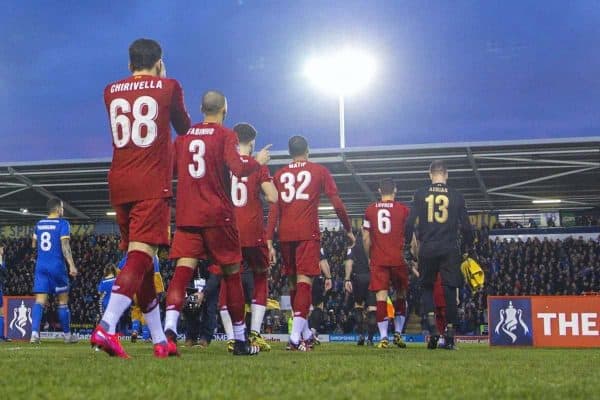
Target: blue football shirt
(48, 233)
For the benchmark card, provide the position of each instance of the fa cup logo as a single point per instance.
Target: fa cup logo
(510, 319)
(21, 315)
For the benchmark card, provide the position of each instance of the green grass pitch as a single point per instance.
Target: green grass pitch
(333, 371)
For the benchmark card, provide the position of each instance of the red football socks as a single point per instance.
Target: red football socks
(235, 297)
(146, 295)
(130, 278)
(381, 312)
(400, 307)
(302, 299)
(260, 289)
(176, 293)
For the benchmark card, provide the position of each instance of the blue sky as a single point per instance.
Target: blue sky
(448, 71)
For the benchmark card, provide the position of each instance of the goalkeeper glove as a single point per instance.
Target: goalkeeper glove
(408, 256)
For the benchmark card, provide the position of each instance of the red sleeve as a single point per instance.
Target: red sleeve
(367, 223)
(331, 191)
(233, 160)
(272, 220)
(265, 175)
(179, 115)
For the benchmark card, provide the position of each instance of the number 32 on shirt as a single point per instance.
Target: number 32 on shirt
(289, 181)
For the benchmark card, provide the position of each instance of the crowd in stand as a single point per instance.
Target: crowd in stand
(530, 267)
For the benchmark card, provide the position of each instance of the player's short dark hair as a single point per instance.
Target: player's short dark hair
(245, 132)
(110, 268)
(387, 186)
(438, 167)
(212, 102)
(144, 53)
(297, 146)
(53, 204)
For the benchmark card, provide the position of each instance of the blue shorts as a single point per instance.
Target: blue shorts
(52, 280)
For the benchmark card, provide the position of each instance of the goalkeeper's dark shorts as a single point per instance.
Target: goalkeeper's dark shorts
(360, 289)
(445, 262)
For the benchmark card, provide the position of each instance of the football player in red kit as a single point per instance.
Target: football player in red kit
(141, 109)
(205, 215)
(383, 238)
(296, 216)
(246, 196)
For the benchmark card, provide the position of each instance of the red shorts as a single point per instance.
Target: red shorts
(438, 293)
(381, 277)
(257, 258)
(301, 258)
(145, 221)
(219, 244)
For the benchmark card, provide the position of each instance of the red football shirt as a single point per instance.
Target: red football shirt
(245, 194)
(206, 155)
(140, 109)
(385, 222)
(300, 185)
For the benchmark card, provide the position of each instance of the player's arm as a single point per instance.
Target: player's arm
(326, 271)
(270, 192)
(409, 230)
(34, 241)
(68, 255)
(348, 264)
(465, 227)
(272, 221)
(340, 209)
(180, 119)
(414, 248)
(235, 164)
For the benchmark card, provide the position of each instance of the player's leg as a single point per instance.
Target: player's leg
(359, 295)
(136, 321)
(64, 316)
(440, 304)
(225, 317)
(2, 337)
(452, 279)
(223, 245)
(176, 294)
(380, 278)
(400, 283)
(307, 258)
(429, 267)
(257, 259)
(41, 288)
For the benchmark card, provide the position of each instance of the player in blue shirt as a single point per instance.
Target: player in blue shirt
(2, 279)
(106, 284)
(138, 325)
(51, 239)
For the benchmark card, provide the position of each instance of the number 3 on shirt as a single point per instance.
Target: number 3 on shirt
(441, 214)
(144, 112)
(289, 180)
(197, 169)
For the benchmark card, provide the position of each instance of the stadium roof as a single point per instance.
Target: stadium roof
(494, 176)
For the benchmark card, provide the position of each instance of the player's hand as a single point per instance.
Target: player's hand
(414, 268)
(264, 155)
(351, 239)
(272, 256)
(328, 284)
(348, 286)
(73, 271)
